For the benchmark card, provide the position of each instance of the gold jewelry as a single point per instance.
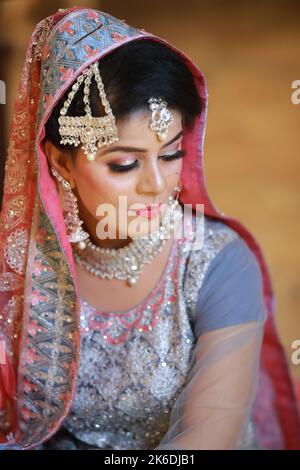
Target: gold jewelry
(92, 132)
(161, 117)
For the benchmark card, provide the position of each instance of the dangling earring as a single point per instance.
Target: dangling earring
(177, 188)
(73, 224)
(173, 208)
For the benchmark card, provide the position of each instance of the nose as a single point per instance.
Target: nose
(152, 180)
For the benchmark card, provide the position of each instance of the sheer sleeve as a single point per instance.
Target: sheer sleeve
(213, 411)
(214, 408)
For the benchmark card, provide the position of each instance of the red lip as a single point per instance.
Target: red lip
(153, 206)
(149, 211)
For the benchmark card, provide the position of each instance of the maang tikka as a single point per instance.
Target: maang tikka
(96, 132)
(92, 132)
(161, 117)
(125, 263)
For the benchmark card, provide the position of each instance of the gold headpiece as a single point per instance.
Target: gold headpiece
(161, 117)
(92, 132)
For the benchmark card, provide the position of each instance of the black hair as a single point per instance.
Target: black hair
(131, 74)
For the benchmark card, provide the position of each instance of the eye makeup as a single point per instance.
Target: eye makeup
(118, 168)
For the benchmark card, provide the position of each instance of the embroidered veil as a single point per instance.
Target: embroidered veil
(41, 349)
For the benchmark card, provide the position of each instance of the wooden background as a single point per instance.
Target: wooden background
(249, 53)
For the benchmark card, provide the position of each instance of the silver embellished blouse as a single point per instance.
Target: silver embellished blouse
(135, 364)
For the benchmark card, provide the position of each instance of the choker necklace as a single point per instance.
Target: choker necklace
(127, 263)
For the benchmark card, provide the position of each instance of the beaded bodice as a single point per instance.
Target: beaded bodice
(134, 364)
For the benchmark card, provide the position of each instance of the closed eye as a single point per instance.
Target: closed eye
(115, 168)
(174, 156)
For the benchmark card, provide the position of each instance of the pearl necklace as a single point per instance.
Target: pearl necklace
(127, 263)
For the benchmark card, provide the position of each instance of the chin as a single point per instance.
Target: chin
(143, 227)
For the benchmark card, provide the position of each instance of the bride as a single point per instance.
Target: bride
(134, 315)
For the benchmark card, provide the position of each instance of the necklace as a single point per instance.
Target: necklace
(127, 263)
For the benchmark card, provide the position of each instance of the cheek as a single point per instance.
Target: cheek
(98, 186)
(172, 172)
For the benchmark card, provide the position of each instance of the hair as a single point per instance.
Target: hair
(131, 74)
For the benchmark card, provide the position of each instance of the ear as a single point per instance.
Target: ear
(61, 161)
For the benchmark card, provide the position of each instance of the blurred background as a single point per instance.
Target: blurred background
(249, 53)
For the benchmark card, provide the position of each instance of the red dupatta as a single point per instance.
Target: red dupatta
(39, 297)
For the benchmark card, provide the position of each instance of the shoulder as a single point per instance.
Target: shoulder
(228, 285)
(213, 245)
(204, 240)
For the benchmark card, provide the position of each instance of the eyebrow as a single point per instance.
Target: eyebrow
(136, 149)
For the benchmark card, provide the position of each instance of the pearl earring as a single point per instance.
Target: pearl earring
(178, 188)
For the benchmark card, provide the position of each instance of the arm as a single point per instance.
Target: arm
(213, 410)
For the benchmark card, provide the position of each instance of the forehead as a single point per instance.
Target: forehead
(136, 126)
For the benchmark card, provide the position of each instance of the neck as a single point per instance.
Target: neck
(114, 243)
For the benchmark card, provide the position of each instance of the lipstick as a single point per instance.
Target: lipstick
(149, 212)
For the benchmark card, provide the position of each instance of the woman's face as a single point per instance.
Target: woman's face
(137, 170)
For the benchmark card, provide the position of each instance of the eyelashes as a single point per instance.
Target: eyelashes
(174, 156)
(115, 168)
